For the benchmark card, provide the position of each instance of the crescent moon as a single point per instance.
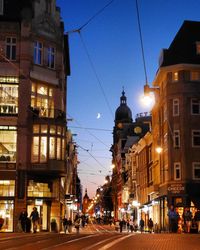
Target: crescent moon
(98, 115)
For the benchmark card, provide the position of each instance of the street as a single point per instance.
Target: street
(99, 237)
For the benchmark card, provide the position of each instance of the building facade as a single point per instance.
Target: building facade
(34, 64)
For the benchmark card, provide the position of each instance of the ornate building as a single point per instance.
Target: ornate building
(34, 65)
(125, 134)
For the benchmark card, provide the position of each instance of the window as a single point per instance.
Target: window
(195, 107)
(38, 189)
(8, 143)
(176, 139)
(38, 47)
(174, 76)
(196, 138)
(150, 153)
(1, 7)
(7, 188)
(177, 171)
(51, 58)
(150, 174)
(8, 96)
(48, 143)
(175, 107)
(11, 48)
(194, 75)
(198, 48)
(196, 170)
(42, 99)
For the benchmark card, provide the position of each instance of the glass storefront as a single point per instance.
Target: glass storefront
(6, 215)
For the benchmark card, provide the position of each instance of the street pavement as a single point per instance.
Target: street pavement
(99, 237)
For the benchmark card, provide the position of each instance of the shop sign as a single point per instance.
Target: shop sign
(38, 202)
(176, 188)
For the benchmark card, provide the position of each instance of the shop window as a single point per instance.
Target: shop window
(7, 188)
(51, 58)
(175, 107)
(38, 189)
(196, 138)
(38, 52)
(195, 107)
(196, 170)
(176, 139)
(8, 97)
(6, 213)
(177, 171)
(8, 142)
(11, 48)
(42, 99)
(52, 148)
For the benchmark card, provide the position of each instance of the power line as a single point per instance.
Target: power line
(141, 42)
(97, 129)
(90, 19)
(95, 73)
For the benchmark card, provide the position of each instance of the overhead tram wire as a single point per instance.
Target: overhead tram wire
(90, 132)
(141, 42)
(97, 129)
(88, 55)
(86, 150)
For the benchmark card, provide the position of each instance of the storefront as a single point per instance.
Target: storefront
(7, 192)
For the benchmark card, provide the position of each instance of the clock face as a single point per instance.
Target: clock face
(119, 125)
(137, 130)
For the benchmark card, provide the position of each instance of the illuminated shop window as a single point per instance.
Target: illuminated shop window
(8, 142)
(38, 189)
(174, 76)
(7, 188)
(47, 144)
(8, 97)
(42, 99)
(6, 213)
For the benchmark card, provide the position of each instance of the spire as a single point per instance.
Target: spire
(123, 97)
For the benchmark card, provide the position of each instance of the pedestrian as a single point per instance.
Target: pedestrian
(173, 220)
(65, 224)
(121, 224)
(23, 219)
(128, 225)
(197, 219)
(187, 216)
(69, 225)
(77, 225)
(35, 219)
(1, 222)
(131, 225)
(150, 225)
(141, 225)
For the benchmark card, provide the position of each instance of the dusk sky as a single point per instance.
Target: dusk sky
(105, 57)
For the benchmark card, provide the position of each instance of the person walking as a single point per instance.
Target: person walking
(35, 219)
(77, 225)
(65, 224)
(173, 220)
(150, 225)
(141, 225)
(131, 225)
(23, 220)
(197, 219)
(121, 224)
(187, 216)
(69, 225)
